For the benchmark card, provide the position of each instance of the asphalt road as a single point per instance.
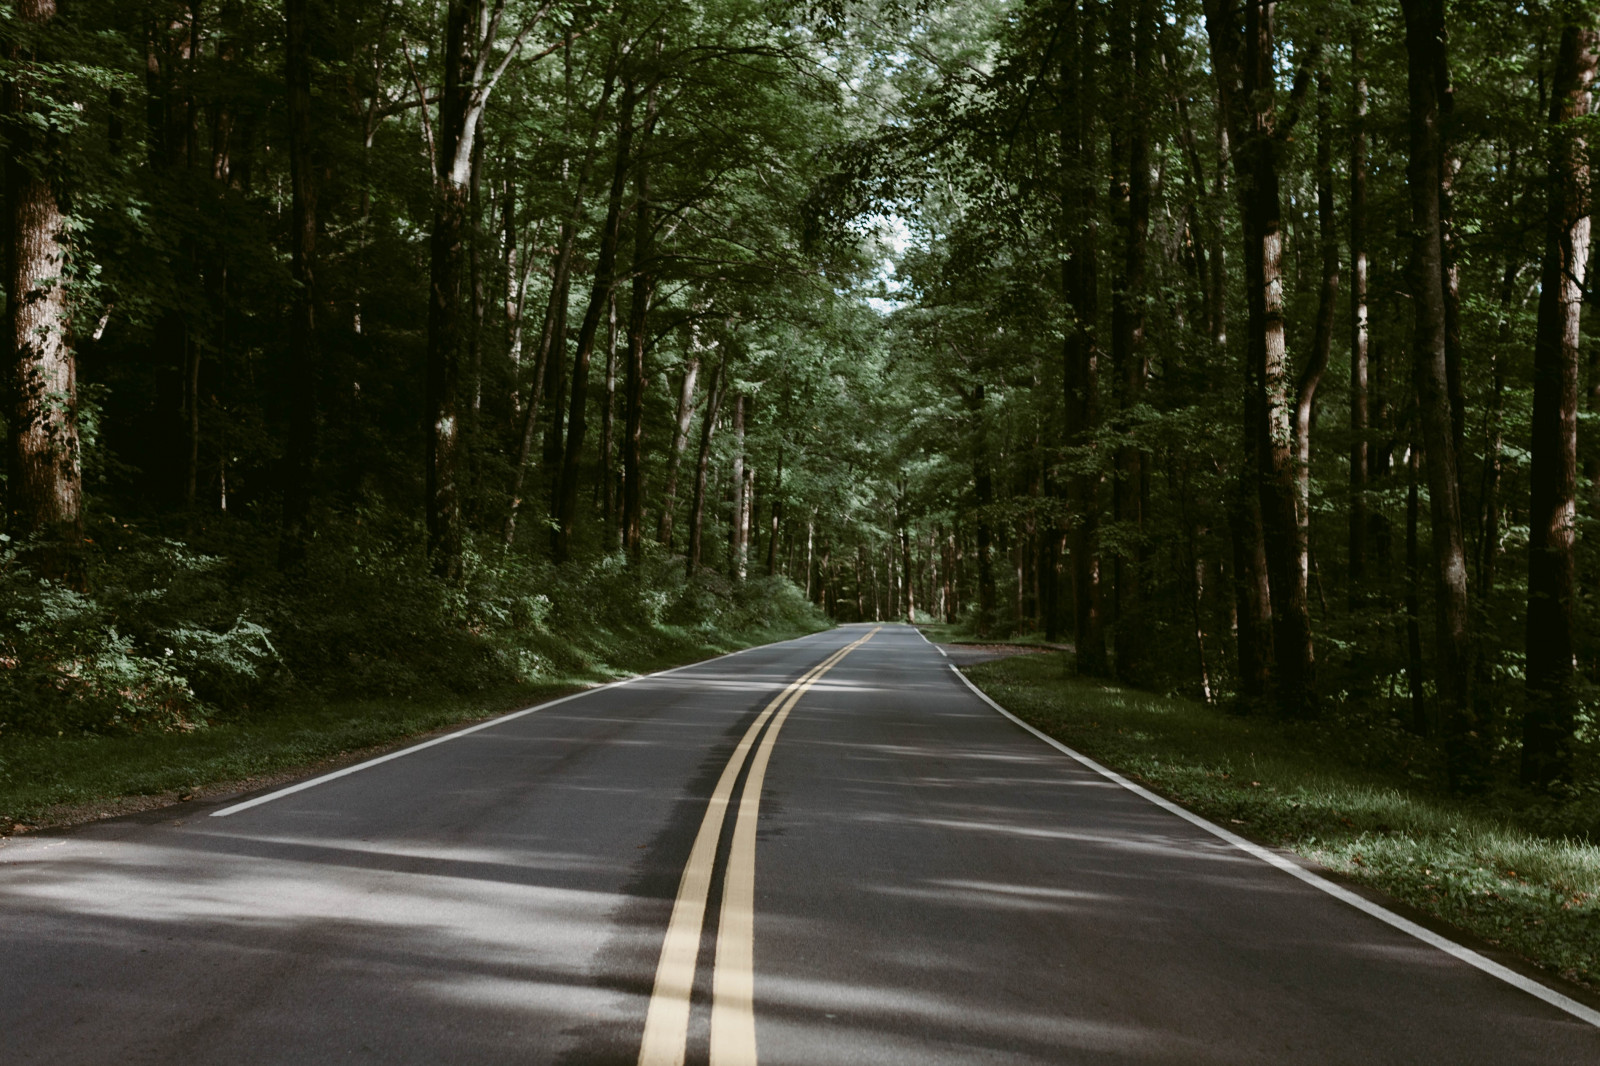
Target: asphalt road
(916, 880)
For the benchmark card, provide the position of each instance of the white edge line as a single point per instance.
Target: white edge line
(935, 647)
(346, 771)
(1339, 892)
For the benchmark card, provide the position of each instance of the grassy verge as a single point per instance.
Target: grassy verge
(941, 633)
(1480, 865)
(69, 778)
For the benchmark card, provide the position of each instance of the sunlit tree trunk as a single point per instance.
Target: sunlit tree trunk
(1246, 71)
(45, 474)
(1552, 691)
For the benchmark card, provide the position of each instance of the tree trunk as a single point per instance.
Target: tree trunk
(1246, 73)
(552, 337)
(304, 359)
(708, 426)
(983, 486)
(1080, 291)
(738, 531)
(1131, 205)
(476, 283)
(608, 418)
(680, 441)
(566, 510)
(1360, 326)
(1552, 691)
(643, 291)
(777, 516)
(1421, 724)
(910, 601)
(453, 144)
(1322, 340)
(45, 475)
(1425, 29)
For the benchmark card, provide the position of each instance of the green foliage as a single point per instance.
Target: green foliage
(149, 650)
(171, 637)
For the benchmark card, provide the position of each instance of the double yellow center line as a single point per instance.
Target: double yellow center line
(733, 1022)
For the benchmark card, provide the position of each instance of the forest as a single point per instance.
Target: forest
(1236, 345)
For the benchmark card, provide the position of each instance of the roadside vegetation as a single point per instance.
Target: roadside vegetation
(186, 666)
(1520, 870)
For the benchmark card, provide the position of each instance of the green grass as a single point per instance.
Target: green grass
(43, 778)
(1481, 865)
(941, 633)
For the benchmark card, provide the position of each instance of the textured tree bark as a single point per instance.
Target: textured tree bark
(697, 510)
(1552, 691)
(303, 18)
(45, 474)
(1246, 73)
(680, 441)
(1322, 339)
(1080, 290)
(1425, 48)
(1360, 325)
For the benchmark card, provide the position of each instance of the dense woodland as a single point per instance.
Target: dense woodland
(1236, 344)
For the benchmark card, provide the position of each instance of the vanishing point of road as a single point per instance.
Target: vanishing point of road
(829, 850)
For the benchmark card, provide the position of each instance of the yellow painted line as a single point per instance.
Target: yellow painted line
(733, 1014)
(666, 1026)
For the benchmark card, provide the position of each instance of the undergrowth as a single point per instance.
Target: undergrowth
(1520, 872)
(186, 661)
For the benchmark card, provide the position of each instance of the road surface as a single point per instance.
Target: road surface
(912, 878)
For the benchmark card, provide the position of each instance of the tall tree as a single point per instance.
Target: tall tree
(45, 472)
(1077, 104)
(1322, 337)
(1425, 174)
(1552, 692)
(1131, 206)
(303, 18)
(472, 68)
(1243, 48)
(1360, 325)
(600, 297)
(708, 428)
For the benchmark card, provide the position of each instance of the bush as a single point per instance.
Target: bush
(173, 633)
